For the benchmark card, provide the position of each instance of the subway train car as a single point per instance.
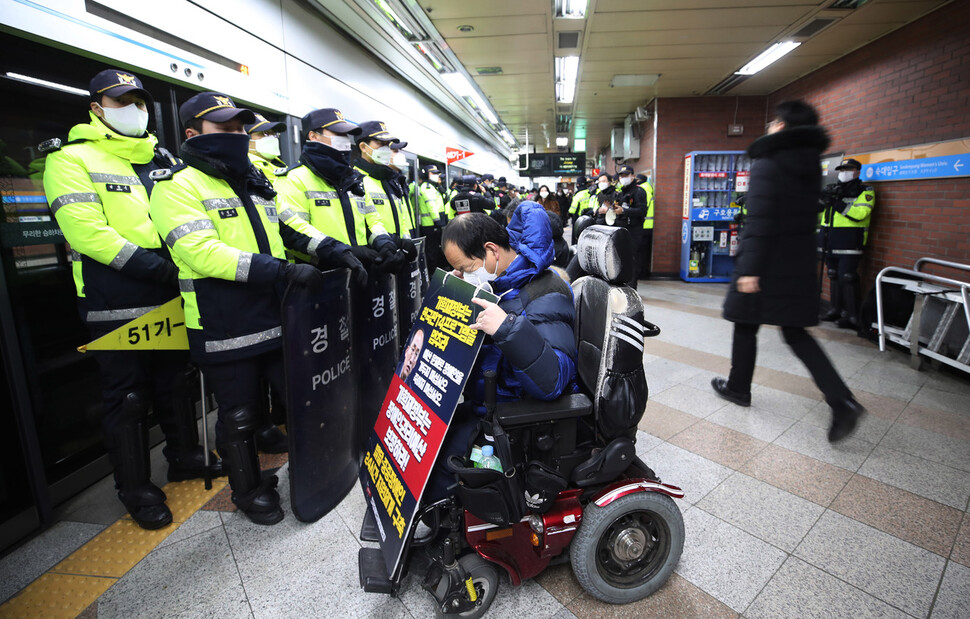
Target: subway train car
(280, 59)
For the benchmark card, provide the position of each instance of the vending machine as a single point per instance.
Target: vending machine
(713, 182)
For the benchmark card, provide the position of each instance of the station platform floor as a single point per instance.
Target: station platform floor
(779, 523)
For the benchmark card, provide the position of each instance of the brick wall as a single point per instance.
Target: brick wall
(685, 125)
(909, 87)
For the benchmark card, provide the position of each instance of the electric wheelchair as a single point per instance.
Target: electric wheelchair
(576, 491)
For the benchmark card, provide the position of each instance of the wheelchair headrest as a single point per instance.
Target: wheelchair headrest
(606, 252)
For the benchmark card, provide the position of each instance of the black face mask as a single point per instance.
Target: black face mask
(226, 153)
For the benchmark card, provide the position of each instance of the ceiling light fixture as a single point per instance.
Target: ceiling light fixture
(579, 145)
(571, 9)
(462, 87)
(767, 57)
(562, 141)
(54, 85)
(401, 20)
(567, 71)
(465, 28)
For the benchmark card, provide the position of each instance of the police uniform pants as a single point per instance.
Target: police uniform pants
(150, 372)
(240, 382)
(636, 233)
(645, 253)
(844, 287)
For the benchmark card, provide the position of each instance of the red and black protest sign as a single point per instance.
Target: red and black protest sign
(438, 356)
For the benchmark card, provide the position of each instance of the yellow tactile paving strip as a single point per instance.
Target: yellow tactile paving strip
(53, 596)
(76, 582)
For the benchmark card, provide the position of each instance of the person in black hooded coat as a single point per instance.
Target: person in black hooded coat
(775, 279)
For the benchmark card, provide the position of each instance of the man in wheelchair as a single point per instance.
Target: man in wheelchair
(558, 390)
(531, 345)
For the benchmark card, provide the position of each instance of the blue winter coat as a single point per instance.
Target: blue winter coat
(534, 351)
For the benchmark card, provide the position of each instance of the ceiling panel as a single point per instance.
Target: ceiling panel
(451, 9)
(692, 44)
(493, 26)
(647, 21)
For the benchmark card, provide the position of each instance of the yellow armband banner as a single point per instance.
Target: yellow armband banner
(163, 328)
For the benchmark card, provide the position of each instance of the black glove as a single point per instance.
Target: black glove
(302, 275)
(365, 255)
(357, 270)
(392, 261)
(407, 246)
(442, 221)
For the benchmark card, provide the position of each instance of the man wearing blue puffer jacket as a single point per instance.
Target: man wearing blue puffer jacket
(530, 342)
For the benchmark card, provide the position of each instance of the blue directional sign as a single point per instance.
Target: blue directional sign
(917, 169)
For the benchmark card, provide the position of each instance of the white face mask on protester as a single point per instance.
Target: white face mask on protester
(602, 186)
(480, 276)
(268, 147)
(340, 142)
(626, 180)
(129, 120)
(846, 175)
(543, 194)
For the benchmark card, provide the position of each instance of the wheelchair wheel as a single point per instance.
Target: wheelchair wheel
(625, 551)
(484, 577)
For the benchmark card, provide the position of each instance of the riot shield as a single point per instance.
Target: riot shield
(322, 420)
(422, 245)
(409, 295)
(376, 346)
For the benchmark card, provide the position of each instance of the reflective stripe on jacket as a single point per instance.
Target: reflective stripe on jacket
(318, 202)
(230, 286)
(101, 205)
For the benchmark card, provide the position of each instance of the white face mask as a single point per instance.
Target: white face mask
(268, 147)
(399, 160)
(129, 120)
(481, 276)
(626, 180)
(846, 175)
(602, 186)
(543, 194)
(340, 142)
(382, 155)
(434, 178)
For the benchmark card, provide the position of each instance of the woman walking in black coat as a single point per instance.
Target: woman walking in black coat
(775, 279)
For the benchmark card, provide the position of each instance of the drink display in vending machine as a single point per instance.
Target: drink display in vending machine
(713, 182)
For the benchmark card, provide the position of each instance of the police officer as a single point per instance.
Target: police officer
(503, 193)
(843, 232)
(580, 198)
(98, 187)
(630, 209)
(381, 192)
(218, 216)
(325, 190)
(431, 212)
(264, 146)
(646, 241)
(487, 189)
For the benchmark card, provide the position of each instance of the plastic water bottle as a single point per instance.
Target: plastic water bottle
(489, 459)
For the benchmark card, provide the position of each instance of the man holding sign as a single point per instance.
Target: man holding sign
(530, 343)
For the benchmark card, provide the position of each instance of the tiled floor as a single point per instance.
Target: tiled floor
(779, 523)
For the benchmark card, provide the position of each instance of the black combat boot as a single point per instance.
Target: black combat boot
(128, 450)
(254, 496)
(186, 458)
